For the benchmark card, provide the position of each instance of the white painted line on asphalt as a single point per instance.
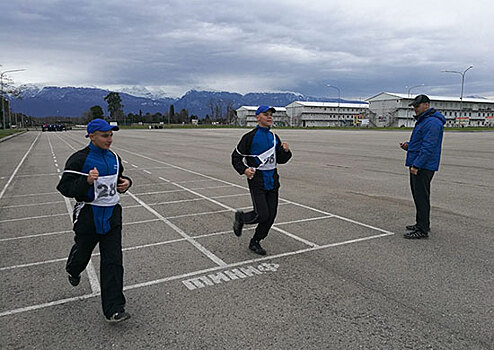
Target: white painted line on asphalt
(135, 166)
(181, 190)
(18, 166)
(91, 271)
(302, 220)
(311, 244)
(245, 188)
(32, 194)
(37, 175)
(32, 218)
(147, 172)
(146, 185)
(268, 257)
(198, 214)
(189, 239)
(188, 181)
(140, 222)
(300, 239)
(34, 236)
(150, 168)
(45, 305)
(194, 273)
(44, 262)
(29, 205)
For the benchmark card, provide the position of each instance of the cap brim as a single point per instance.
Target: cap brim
(114, 128)
(271, 109)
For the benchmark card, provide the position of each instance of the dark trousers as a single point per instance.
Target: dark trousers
(264, 213)
(111, 268)
(420, 185)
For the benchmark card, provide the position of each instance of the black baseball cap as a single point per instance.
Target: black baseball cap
(419, 99)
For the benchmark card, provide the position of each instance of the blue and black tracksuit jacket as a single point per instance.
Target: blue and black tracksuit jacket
(91, 218)
(255, 142)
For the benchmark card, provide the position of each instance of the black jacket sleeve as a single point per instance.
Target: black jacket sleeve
(75, 185)
(120, 174)
(282, 156)
(242, 147)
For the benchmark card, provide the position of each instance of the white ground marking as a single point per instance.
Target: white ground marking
(238, 186)
(34, 236)
(29, 205)
(189, 239)
(384, 234)
(18, 166)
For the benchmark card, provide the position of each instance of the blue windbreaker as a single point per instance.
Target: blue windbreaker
(424, 147)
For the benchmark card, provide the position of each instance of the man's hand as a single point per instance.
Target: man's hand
(413, 170)
(249, 172)
(93, 175)
(123, 185)
(285, 146)
(404, 145)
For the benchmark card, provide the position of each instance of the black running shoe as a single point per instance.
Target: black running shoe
(417, 234)
(118, 317)
(74, 280)
(414, 228)
(238, 224)
(255, 246)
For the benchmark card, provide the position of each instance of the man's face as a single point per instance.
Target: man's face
(102, 139)
(421, 108)
(265, 119)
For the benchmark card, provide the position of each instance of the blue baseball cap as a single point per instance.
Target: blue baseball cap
(264, 109)
(99, 125)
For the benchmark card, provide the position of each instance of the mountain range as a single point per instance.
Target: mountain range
(52, 101)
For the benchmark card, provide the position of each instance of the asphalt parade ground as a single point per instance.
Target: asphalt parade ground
(338, 274)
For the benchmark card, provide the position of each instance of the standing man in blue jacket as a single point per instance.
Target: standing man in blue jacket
(256, 156)
(423, 156)
(94, 177)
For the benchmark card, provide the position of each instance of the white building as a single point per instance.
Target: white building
(246, 116)
(310, 114)
(391, 109)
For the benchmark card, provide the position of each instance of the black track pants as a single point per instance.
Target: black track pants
(264, 213)
(111, 268)
(420, 185)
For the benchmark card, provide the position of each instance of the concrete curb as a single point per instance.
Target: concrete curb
(10, 136)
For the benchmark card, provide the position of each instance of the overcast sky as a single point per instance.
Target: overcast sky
(362, 47)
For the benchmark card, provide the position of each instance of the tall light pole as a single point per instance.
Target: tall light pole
(1, 91)
(462, 82)
(413, 87)
(339, 98)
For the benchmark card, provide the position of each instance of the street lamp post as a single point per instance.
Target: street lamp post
(462, 83)
(1, 91)
(413, 87)
(339, 98)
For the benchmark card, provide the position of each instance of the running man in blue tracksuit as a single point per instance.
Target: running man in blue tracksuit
(256, 156)
(423, 156)
(93, 176)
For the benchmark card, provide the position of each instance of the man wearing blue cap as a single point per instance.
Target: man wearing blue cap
(256, 156)
(93, 176)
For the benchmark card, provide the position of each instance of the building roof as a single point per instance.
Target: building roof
(331, 104)
(254, 108)
(435, 98)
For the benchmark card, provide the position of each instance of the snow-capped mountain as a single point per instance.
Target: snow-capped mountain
(74, 101)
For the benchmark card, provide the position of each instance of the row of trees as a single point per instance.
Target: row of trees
(221, 112)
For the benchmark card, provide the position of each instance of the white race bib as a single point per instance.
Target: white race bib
(105, 188)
